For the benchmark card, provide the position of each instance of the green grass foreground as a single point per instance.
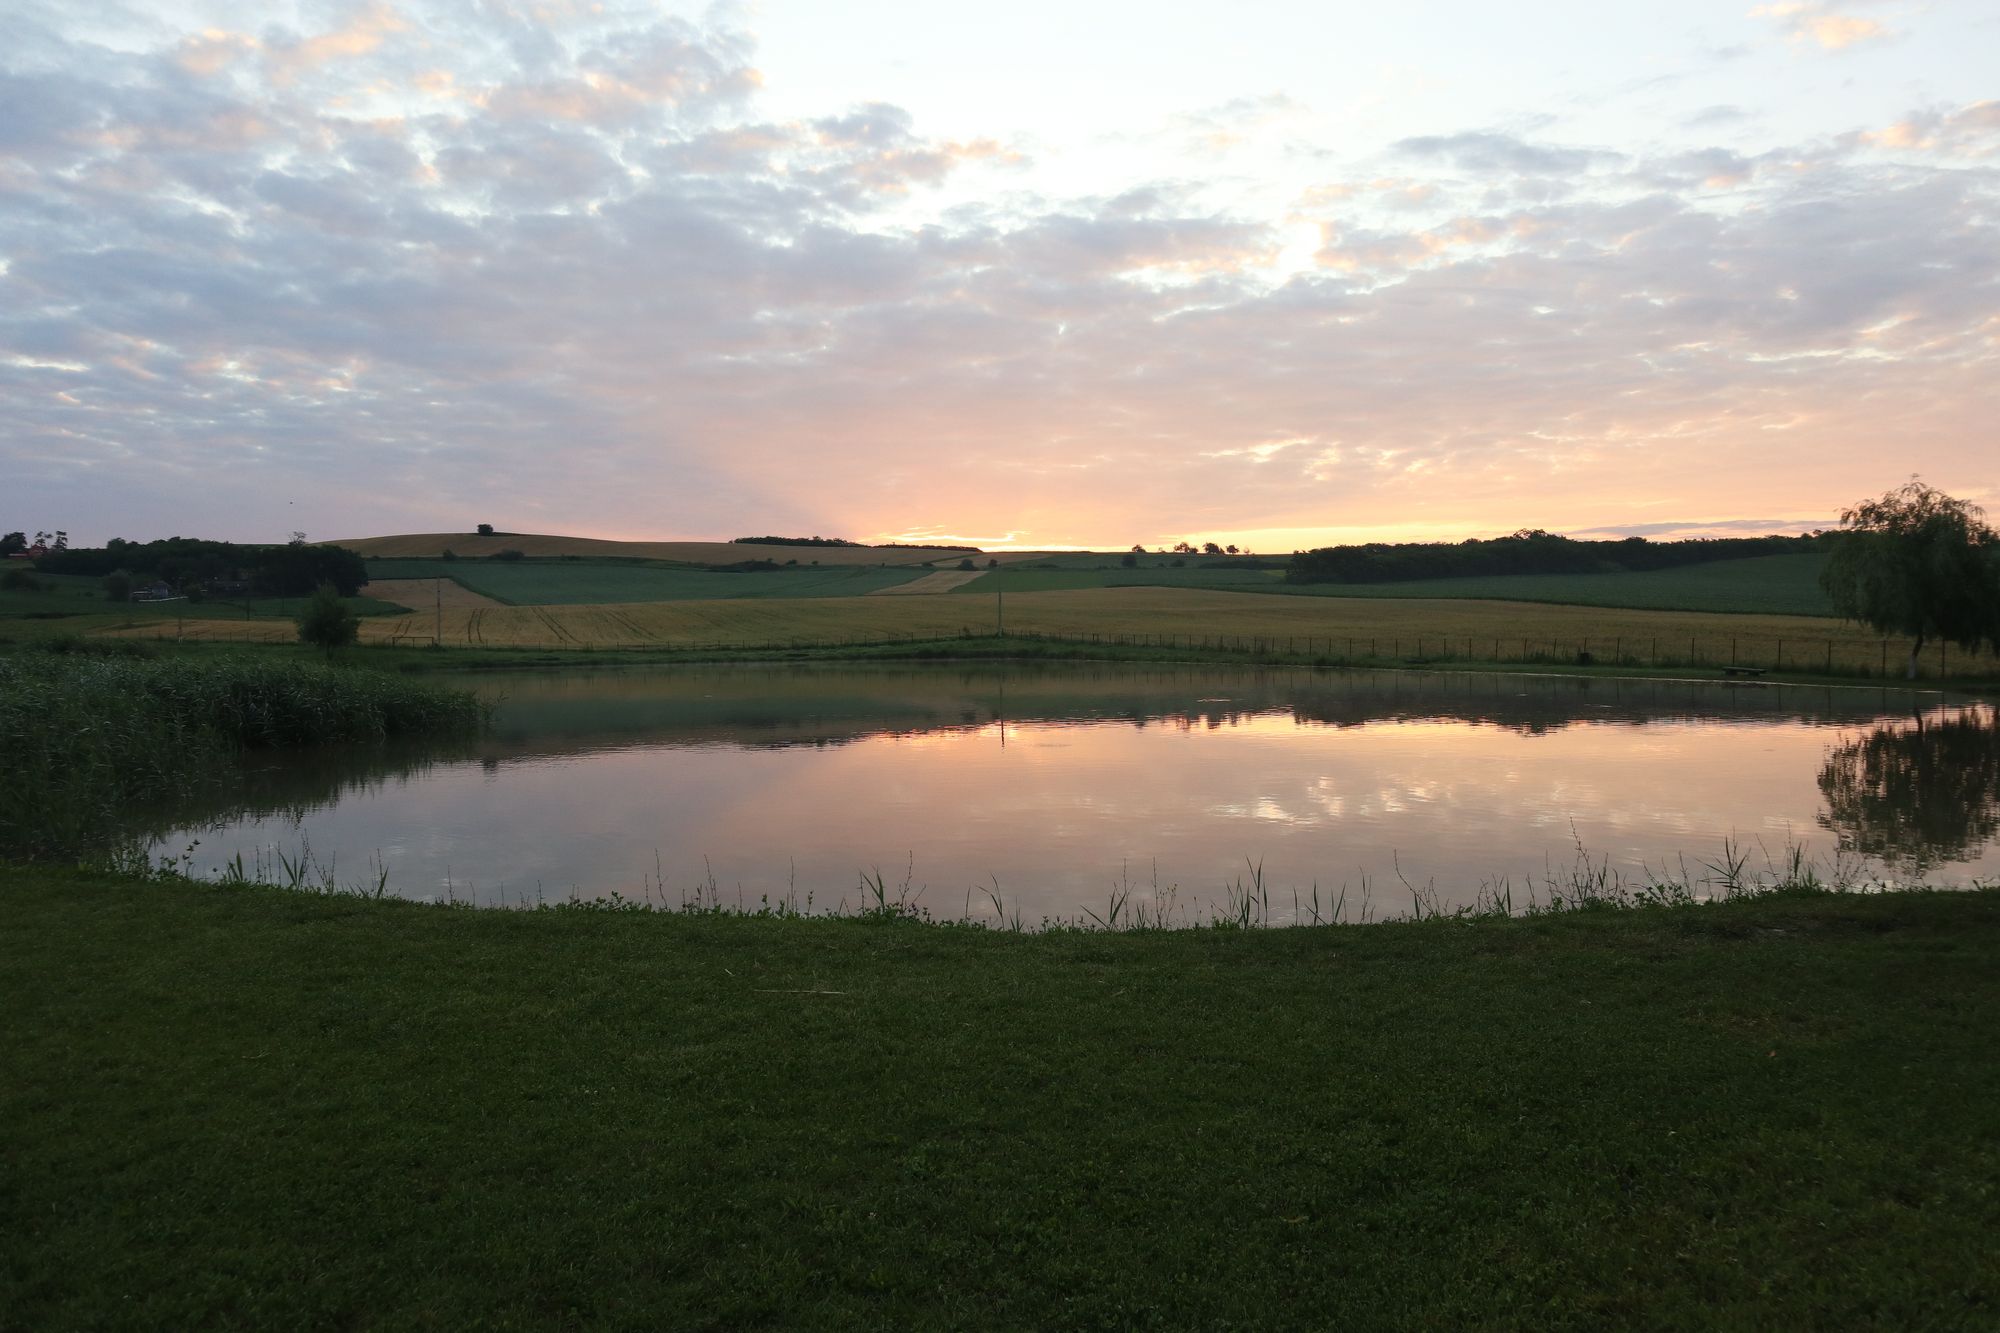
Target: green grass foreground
(242, 1107)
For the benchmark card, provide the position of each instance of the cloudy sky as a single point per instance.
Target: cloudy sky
(1042, 273)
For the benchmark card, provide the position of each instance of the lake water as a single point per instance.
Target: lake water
(1058, 785)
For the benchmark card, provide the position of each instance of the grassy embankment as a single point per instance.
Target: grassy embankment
(246, 1107)
(94, 743)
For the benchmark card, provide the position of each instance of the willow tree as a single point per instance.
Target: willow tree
(1918, 563)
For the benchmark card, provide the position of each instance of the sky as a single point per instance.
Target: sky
(1276, 274)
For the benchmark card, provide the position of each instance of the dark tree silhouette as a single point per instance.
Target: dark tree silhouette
(1918, 563)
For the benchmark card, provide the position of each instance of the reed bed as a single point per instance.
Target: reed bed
(88, 737)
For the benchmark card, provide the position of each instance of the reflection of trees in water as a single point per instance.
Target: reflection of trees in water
(290, 785)
(1915, 795)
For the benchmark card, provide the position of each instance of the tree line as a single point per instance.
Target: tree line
(1529, 551)
(191, 564)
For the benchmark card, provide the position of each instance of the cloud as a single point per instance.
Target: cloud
(1823, 23)
(1485, 151)
(380, 284)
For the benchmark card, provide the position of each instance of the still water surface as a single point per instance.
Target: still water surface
(1060, 783)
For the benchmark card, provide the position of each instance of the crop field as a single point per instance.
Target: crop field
(431, 545)
(945, 580)
(74, 603)
(1336, 628)
(602, 582)
(1767, 585)
(418, 593)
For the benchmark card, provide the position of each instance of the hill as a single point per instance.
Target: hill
(432, 544)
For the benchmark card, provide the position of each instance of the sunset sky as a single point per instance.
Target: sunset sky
(1080, 273)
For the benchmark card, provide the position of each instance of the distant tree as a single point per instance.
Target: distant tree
(1231, 548)
(509, 554)
(449, 554)
(118, 586)
(1184, 548)
(12, 542)
(486, 529)
(1918, 563)
(1138, 549)
(992, 564)
(967, 563)
(1211, 548)
(327, 622)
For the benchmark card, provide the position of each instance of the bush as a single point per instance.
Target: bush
(20, 580)
(966, 564)
(450, 554)
(509, 554)
(327, 622)
(118, 586)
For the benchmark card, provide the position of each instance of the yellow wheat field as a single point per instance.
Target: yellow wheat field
(1332, 626)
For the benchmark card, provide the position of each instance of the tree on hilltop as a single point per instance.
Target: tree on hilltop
(1918, 563)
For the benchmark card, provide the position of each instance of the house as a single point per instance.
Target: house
(35, 552)
(157, 592)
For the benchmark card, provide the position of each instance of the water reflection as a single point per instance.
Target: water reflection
(1061, 781)
(1916, 793)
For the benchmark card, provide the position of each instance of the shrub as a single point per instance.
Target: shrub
(510, 554)
(326, 622)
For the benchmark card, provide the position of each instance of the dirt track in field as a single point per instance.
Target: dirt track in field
(426, 594)
(942, 581)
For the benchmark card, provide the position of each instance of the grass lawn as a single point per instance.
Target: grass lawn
(251, 1108)
(588, 583)
(1764, 585)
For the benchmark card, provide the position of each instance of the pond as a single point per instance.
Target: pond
(1054, 789)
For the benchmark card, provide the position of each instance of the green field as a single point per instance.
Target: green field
(76, 603)
(1768, 585)
(559, 582)
(260, 1109)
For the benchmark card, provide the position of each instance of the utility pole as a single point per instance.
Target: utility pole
(437, 622)
(999, 604)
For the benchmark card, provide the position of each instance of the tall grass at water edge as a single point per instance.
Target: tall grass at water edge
(1247, 901)
(88, 737)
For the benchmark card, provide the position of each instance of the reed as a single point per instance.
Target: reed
(89, 738)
